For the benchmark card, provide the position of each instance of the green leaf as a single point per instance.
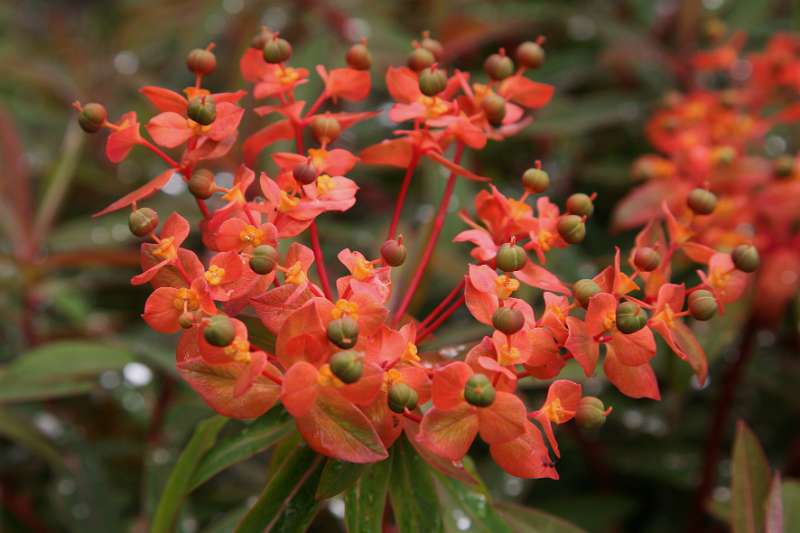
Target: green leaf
(791, 504)
(365, 501)
(179, 482)
(412, 493)
(253, 438)
(22, 391)
(18, 430)
(337, 477)
(288, 501)
(527, 520)
(258, 334)
(751, 478)
(464, 504)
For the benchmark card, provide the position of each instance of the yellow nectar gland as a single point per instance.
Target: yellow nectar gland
(557, 311)
(719, 278)
(519, 209)
(505, 286)
(363, 269)
(295, 274)
(391, 377)
(325, 378)
(287, 202)
(507, 355)
(288, 75)
(198, 129)
(251, 236)
(610, 321)
(410, 355)
(345, 308)
(186, 299)
(194, 92)
(434, 106)
(667, 315)
(165, 249)
(234, 195)
(239, 350)
(319, 156)
(214, 275)
(325, 184)
(555, 412)
(545, 239)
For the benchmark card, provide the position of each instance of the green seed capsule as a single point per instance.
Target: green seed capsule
(702, 201)
(498, 66)
(305, 173)
(507, 320)
(419, 59)
(343, 332)
(92, 117)
(630, 317)
(494, 107)
(746, 258)
(580, 204)
(535, 180)
(186, 319)
(219, 331)
(530, 55)
(591, 413)
(264, 259)
(702, 305)
(347, 365)
(646, 259)
(143, 221)
(511, 257)
(201, 61)
(432, 81)
(202, 184)
(571, 228)
(402, 397)
(584, 289)
(479, 391)
(325, 129)
(358, 57)
(277, 50)
(393, 253)
(202, 110)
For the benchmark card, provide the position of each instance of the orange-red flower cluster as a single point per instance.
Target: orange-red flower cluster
(729, 141)
(348, 361)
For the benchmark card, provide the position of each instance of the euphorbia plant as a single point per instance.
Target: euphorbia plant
(344, 357)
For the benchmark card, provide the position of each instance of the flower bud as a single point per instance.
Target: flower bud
(201, 184)
(358, 57)
(143, 221)
(393, 253)
(646, 259)
(591, 413)
(580, 204)
(745, 257)
(630, 317)
(432, 45)
(702, 305)
(702, 201)
(219, 331)
(479, 391)
(343, 332)
(202, 110)
(264, 259)
(92, 117)
(784, 166)
(402, 397)
(530, 55)
(201, 61)
(511, 257)
(305, 173)
(584, 289)
(494, 106)
(507, 320)
(432, 81)
(347, 366)
(571, 228)
(498, 66)
(186, 320)
(535, 180)
(277, 50)
(325, 128)
(419, 59)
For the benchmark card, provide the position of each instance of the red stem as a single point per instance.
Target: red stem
(401, 197)
(439, 321)
(434, 237)
(447, 299)
(319, 259)
(153, 148)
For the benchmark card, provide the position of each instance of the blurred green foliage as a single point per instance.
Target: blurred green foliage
(92, 413)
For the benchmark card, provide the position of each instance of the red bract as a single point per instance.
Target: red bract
(346, 357)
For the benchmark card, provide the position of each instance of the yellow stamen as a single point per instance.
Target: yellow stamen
(519, 209)
(411, 355)
(288, 75)
(198, 129)
(251, 235)
(239, 350)
(363, 269)
(325, 184)
(555, 411)
(318, 157)
(287, 203)
(186, 299)
(295, 274)
(345, 308)
(505, 286)
(327, 379)
(165, 250)
(507, 355)
(391, 377)
(234, 195)
(215, 275)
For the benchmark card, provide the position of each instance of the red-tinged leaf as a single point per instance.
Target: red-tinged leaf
(453, 469)
(396, 153)
(699, 253)
(686, 345)
(751, 477)
(366, 500)
(449, 433)
(642, 204)
(525, 456)
(634, 381)
(528, 520)
(774, 519)
(300, 388)
(155, 184)
(165, 100)
(265, 137)
(215, 383)
(336, 428)
(458, 170)
(539, 277)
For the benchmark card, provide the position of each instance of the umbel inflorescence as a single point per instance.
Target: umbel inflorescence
(348, 361)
